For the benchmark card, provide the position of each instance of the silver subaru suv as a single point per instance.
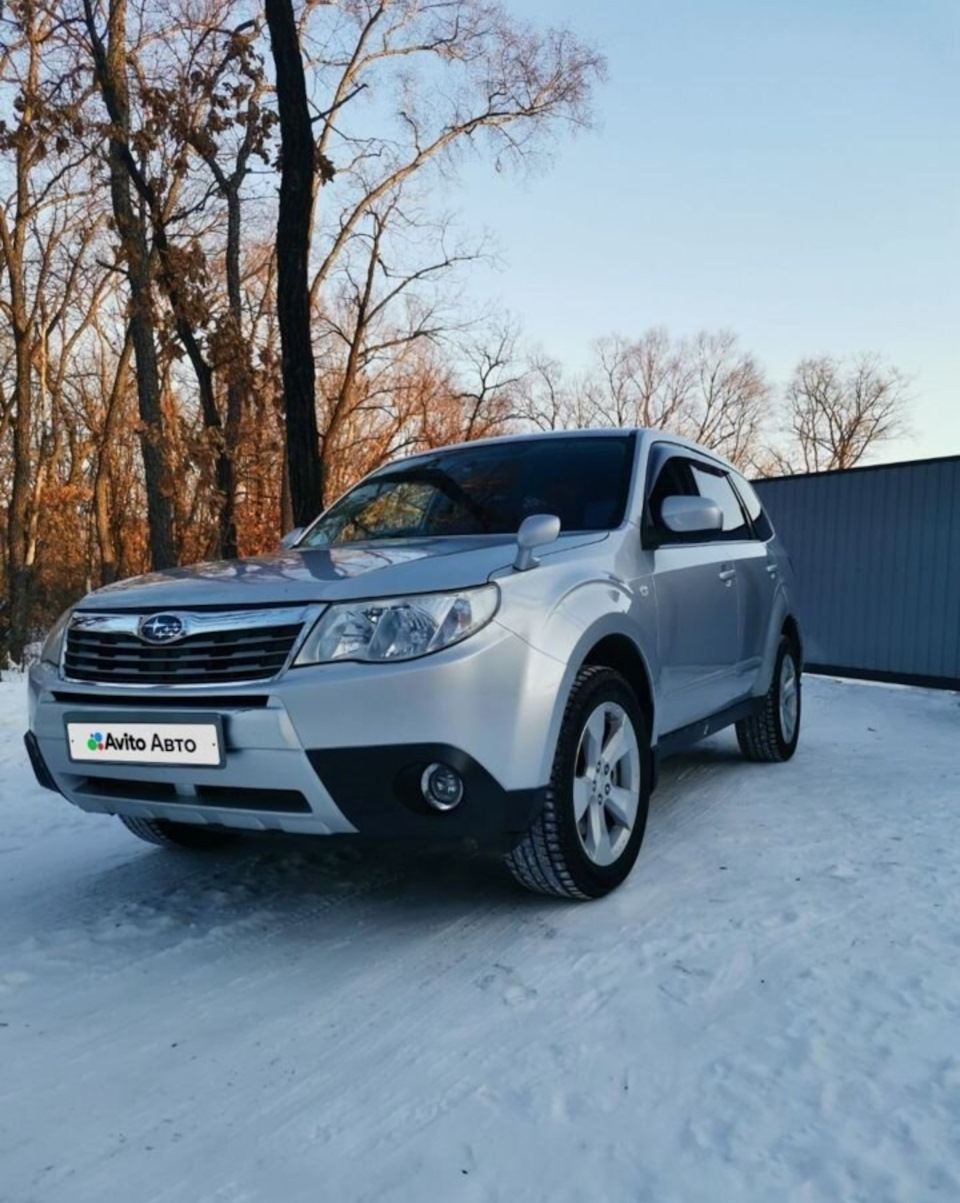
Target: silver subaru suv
(499, 640)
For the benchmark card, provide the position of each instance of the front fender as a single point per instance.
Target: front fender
(586, 613)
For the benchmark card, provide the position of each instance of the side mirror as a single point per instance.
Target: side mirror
(691, 515)
(290, 538)
(535, 531)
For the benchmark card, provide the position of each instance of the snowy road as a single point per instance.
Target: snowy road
(768, 1010)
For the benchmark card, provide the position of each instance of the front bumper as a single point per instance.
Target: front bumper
(332, 749)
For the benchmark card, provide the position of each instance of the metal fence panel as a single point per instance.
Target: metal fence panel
(877, 555)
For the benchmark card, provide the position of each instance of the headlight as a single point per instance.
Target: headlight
(52, 648)
(398, 628)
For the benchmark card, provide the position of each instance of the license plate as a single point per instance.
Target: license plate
(111, 739)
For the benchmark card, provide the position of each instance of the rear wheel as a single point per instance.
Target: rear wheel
(175, 835)
(587, 837)
(773, 732)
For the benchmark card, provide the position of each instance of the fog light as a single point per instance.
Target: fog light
(441, 786)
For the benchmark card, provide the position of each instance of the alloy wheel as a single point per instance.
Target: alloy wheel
(789, 698)
(606, 783)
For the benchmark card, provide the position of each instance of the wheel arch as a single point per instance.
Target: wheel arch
(619, 652)
(783, 622)
(791, 628)
(605, 643)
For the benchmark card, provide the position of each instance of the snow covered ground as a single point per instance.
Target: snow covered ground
(768, 1010)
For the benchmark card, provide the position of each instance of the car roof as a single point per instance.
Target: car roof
(652, 434)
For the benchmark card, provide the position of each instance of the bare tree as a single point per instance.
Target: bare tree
(840, 411)
(705, 388)
(731, 398)
(298, 176)
(114, 379)
(454, 73)
(392, 300)
(216, 102)
(46, 291)
(547, 401)
(648, 381)
(492, 375)
(189, 91)
(26, 144)
(110, 70)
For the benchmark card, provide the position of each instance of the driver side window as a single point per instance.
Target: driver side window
(681, 477)
(674, 479)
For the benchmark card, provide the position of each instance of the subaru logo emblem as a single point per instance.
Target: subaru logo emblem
(162, 628)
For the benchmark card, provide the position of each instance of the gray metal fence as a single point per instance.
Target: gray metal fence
(877, 555)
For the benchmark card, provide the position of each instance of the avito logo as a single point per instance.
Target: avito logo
(127, 742)
(116, 743)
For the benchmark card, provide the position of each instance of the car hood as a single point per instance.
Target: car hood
(344, 573)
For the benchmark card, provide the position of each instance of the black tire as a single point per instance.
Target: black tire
(551, 857)
(175, 835)
(761, 737)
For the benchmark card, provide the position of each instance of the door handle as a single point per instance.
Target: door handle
(727, 574)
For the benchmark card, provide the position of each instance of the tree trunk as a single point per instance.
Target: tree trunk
(21, 485)
(103, 523)
(101, 512)
(112, 80)
(294, 225)
(235, 385)
(169, 282)
(18, 518)
(287, 522)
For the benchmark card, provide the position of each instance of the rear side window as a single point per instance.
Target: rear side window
(716, 487)
(754, 507)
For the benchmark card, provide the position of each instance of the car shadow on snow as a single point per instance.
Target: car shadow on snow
(277, 879)
(278, 883)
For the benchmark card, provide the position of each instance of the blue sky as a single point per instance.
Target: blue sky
(790, 171)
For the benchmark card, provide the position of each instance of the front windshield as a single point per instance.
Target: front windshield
(486, 490)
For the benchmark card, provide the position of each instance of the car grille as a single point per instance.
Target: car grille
(249, 653)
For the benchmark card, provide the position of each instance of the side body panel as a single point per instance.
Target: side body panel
(585, 610)
(698, 604)
(723, 636)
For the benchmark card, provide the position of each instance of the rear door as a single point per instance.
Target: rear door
(697, 587)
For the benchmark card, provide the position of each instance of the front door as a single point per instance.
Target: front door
(699, 631)
(698, 599)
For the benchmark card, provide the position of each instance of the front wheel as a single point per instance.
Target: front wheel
(773, 732)
(587, 837)
(175, 835)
